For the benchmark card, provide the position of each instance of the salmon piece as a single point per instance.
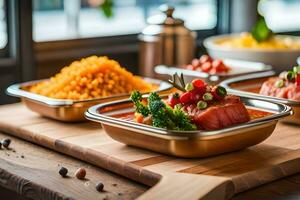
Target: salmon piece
(228, 112)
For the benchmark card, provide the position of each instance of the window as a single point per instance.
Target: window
(281, 15)
(72, 19)
(3, 25)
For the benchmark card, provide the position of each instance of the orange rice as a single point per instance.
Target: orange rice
(91, 77)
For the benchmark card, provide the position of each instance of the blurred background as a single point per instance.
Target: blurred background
(38, 37)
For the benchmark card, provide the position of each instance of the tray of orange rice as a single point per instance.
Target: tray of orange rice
(82, 84)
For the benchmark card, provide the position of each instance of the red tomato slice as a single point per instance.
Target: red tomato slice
(206, 67)
(205, 58)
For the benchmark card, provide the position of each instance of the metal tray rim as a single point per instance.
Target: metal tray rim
(200, 74)
(227, 83)
(91, 114)
(209, 44)
(16, 91)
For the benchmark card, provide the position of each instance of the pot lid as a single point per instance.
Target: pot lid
(166, 18)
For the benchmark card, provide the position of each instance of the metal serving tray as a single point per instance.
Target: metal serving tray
(68, 110)
(249, 86)
(187, 144)
(238, 67)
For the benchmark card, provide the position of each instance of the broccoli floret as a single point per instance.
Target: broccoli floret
(183, 121)
(136, 98)
(163, 116)
(153, 97)
(156, 107)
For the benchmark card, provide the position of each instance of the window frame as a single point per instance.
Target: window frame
(74, 48)
(18, 51)
(4, 52)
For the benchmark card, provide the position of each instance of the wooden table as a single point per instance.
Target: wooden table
(31, 171)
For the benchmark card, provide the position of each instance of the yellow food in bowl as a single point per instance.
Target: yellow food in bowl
(245, 40)
(91, 77)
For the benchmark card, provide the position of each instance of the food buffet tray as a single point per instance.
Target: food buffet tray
(68, 110)
(117, 120)
(238, 67)
(249, 86)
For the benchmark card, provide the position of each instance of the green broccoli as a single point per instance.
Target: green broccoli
(153, 97)
(163, 116)
(136, 98)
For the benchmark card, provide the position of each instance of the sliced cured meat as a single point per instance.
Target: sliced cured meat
(288, 91)
(228, 112)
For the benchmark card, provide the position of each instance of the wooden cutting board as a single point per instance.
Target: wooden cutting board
(207, 178)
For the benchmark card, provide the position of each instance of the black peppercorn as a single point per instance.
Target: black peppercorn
(99, 186)
(0, 145)
(6, 142)
(63, 171)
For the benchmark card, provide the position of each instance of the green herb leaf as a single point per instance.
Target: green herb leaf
(260, 30)
(107, 8)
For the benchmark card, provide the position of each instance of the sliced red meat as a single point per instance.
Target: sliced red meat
(289, 91)
(228, 112)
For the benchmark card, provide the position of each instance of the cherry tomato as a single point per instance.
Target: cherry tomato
(213, 71)
(206, 67)
(196, 95)
(190, 67)
(297, 80)
(222, 68)
(216, 63)
(198, 83)
(186, 98)
(205, 58)
(195, 62)
(173, 99)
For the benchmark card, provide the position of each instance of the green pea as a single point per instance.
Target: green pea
(189, 87)
(178, 106)
(290, 75)
(202, 105)
(207, 96)
(221, 91)
(279, 83)
(296, 69)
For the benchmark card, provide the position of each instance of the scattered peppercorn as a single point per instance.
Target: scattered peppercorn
(80, 173)
(99, 186)
(120, 194)
(63, 171)
(22, 156)
(6, 142)
(114, 184)
(0, 145)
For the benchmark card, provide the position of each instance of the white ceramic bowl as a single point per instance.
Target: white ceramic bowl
(279, 59)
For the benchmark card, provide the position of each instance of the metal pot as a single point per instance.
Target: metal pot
(165, 41)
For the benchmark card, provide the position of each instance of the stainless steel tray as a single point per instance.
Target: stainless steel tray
(68, 110)
(249, 85)
(187, 143)
(238, 67)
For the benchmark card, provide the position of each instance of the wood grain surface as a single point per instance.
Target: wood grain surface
(277, 157)
(32, 171)
(37, 157)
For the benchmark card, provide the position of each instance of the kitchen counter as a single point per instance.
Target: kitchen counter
(30, 171)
